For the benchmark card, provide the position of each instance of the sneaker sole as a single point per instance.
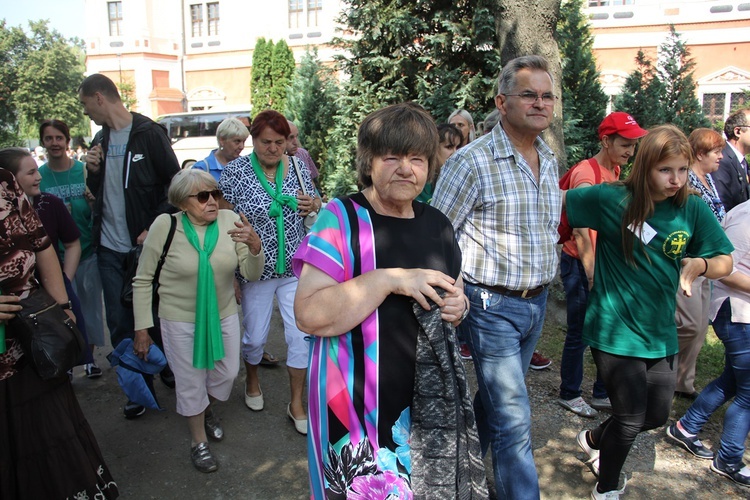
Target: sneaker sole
(678, 441)
(131, 416)
(540, 367)
(93, 375)
(722, 473)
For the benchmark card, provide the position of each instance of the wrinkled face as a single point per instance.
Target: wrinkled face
(233, 147)
(54, 142)
(667, 177)
(28, 177)
(292, 144)
(399, 179)
(463, 125)
(709, 162)
(269, 146)
(446, 149)
(619, 149)
(201, 212)
(520, 117)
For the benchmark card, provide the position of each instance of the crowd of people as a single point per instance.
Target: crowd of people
(445, 255)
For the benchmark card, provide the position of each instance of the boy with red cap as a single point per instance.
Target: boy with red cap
(618, 134)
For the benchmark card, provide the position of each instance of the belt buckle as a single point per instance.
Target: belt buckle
(523, 295)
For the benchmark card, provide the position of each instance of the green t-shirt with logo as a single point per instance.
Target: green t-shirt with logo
(631, 310)
(70, 187)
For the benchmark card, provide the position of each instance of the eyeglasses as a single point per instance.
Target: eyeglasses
(203, 196)
(531, 98)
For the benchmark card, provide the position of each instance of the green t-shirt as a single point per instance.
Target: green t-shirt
(631, 310)
(70, 187)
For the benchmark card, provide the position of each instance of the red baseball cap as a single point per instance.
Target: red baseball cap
(621, 124)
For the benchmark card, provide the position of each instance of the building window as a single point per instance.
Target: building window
(314, 7)
(213, 18)
(196, 20)
(295, 13)
(738, 100)
(114, 10)
(713, 106)
(607, 3)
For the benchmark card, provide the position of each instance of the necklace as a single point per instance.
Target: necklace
(270, 178)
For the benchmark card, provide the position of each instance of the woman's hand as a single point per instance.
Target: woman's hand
(9, 306)
(307, 203)
(691, 269)
(244, 233)
(419, 284)
(455, 305)
(141, 343)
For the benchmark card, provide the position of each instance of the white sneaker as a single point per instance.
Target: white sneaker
(578, 406)
(608, 495)
(593, 461)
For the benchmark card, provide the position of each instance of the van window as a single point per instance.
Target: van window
(193, 134)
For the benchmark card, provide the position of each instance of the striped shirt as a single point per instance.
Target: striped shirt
(505, 222)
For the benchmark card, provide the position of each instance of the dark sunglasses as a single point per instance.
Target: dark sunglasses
(202, 197)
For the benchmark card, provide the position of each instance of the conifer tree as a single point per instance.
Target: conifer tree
(260, 76)
(282, 72)
(311, 105)
(584, 100)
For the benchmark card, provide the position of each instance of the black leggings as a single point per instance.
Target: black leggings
(641, 392)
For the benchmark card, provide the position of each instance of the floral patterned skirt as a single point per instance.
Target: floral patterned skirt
(48, 450)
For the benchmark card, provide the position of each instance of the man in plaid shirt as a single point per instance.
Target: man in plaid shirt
(501, 194)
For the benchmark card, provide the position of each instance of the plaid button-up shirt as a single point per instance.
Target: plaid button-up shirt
(505, 222)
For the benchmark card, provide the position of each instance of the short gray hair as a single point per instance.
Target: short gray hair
(491, 120)
(186, 181)
(506, 82)
(466, 116)
(231, 128)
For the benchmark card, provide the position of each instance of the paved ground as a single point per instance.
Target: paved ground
(263, 457)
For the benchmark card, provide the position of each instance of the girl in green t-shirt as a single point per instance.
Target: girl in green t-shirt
(653, 238)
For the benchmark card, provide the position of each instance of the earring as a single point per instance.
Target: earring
(221, 148)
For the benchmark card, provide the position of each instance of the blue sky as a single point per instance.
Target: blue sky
(66, 16)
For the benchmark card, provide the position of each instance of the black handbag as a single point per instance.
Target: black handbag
(47, 335)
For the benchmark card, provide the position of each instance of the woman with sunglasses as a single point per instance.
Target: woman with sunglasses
(199, 320)
(267, 187)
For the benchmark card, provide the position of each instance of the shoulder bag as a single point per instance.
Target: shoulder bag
(312, 216)
(131, 266)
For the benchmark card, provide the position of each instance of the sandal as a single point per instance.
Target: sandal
(269, 359)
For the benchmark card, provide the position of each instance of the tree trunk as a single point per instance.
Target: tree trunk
(528, 28)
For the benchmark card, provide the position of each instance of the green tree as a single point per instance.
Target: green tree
(311, 105)
(39, 77)
(583, 99)
(665, 92)
(441, 54)
(676, 70)
(260, 76)
(282, 73)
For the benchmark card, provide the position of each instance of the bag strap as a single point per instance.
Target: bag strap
(167, 244)
(351, 215)
(597, 171)
(299, 176)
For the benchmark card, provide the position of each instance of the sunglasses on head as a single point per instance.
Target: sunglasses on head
(202, 196)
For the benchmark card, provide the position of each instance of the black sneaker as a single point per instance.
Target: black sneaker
(167, 377)
(92, 371)
(691, 444)
(133, 410)
(739, 473)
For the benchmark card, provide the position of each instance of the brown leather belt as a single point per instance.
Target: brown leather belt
(524, 294)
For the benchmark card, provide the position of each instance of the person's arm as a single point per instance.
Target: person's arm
(326, 308)
(51, 276)
(249, 250)
(712, 268)
(71, 258)
(456, 304)
(738, 280)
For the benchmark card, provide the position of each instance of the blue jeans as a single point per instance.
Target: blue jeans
(576, 287)
(502, 340)
(733, 382)
(119, 318)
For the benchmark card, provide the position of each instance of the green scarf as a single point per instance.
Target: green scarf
(277, 207)
(208, 346)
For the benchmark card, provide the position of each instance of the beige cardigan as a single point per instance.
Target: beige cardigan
(178, 281)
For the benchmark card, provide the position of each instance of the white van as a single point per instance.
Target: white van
(193, 133)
